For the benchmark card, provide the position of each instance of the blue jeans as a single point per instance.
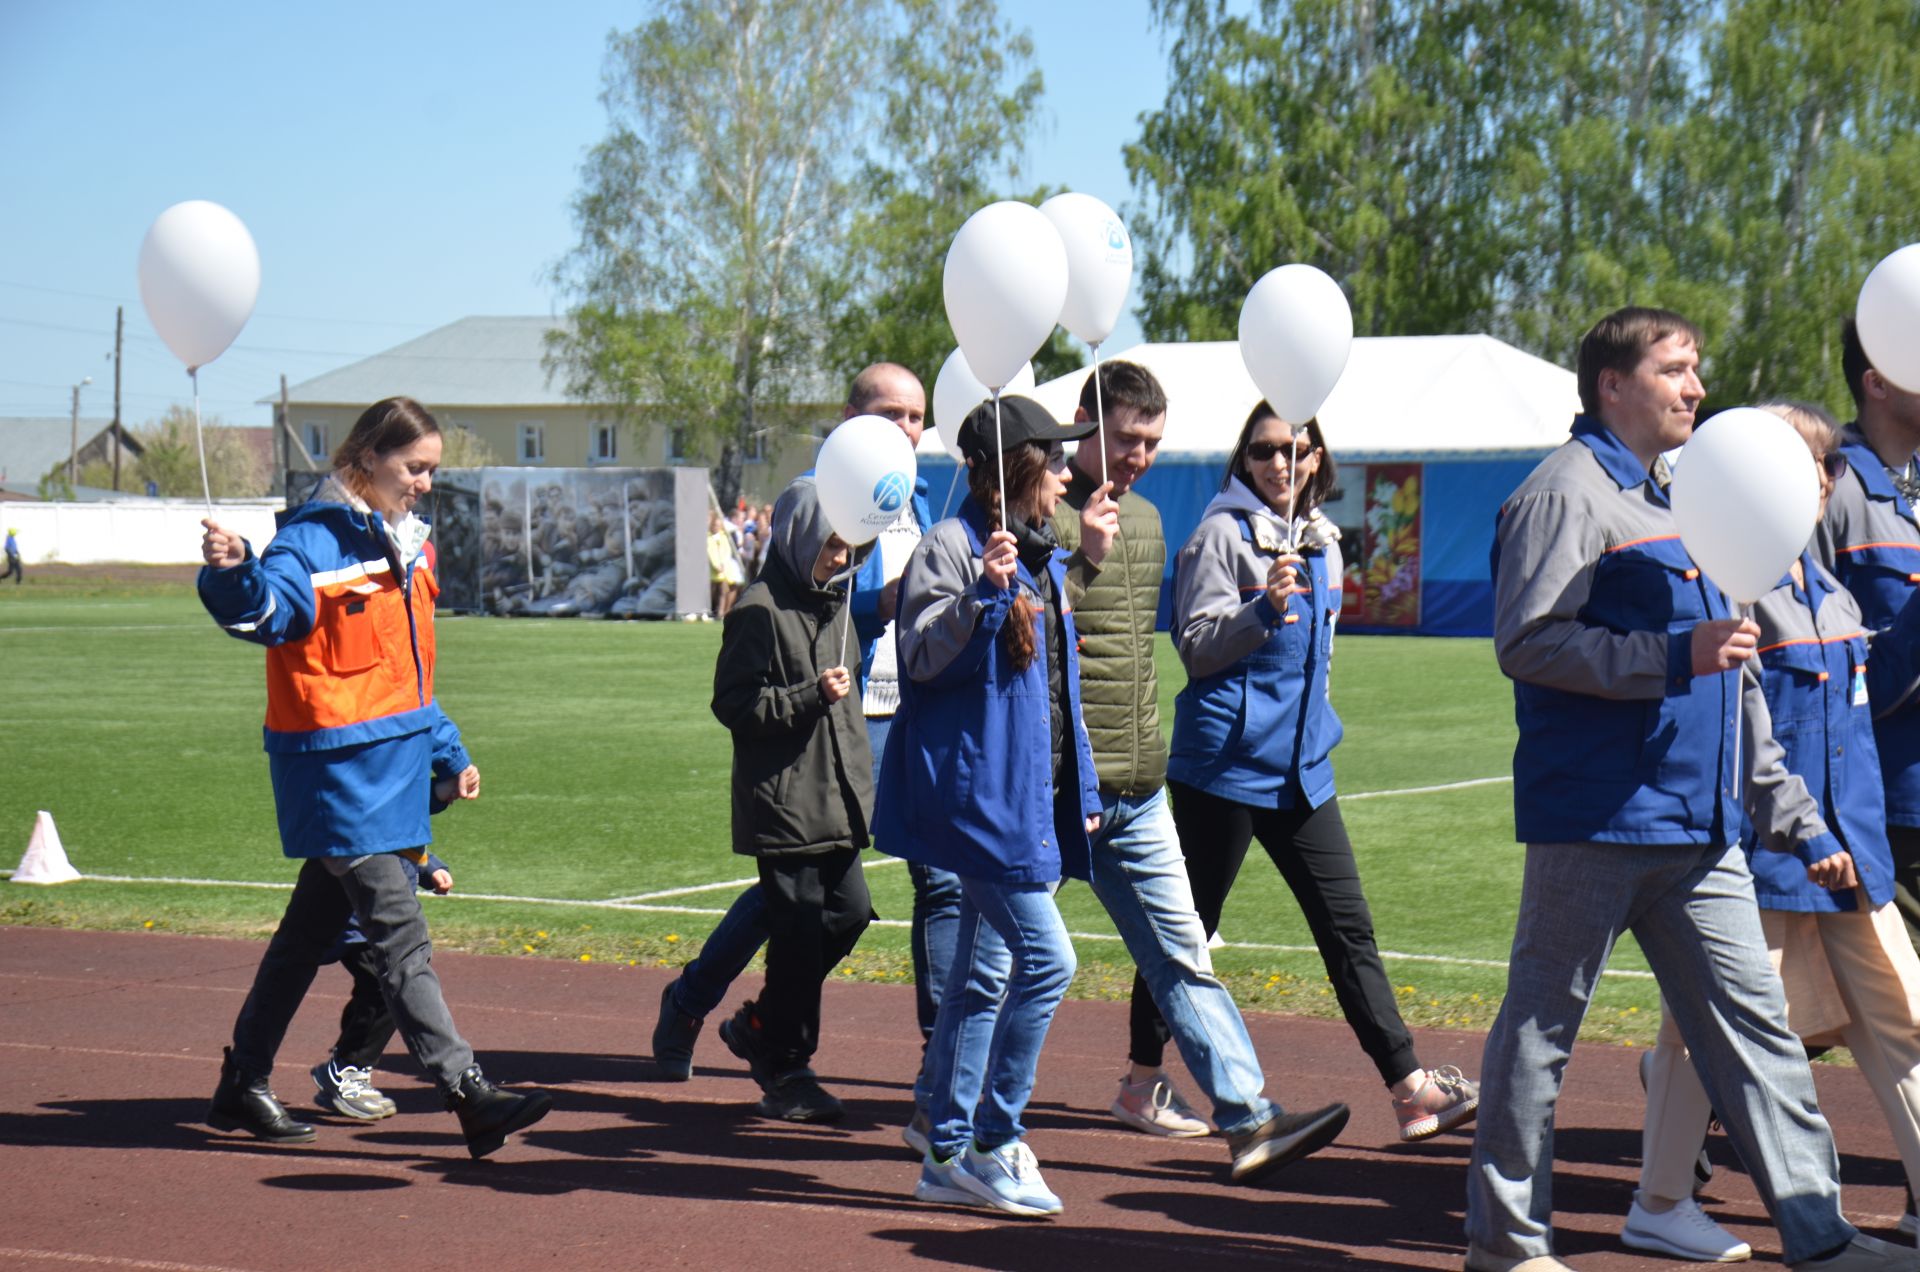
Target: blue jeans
(1692, 909)
(1141, 878)
(985, 1047)
(737, 938)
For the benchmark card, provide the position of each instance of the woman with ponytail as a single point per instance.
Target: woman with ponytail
(987, 773)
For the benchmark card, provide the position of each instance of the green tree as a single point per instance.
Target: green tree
(170, 459)
(718, 194)
(961, 98)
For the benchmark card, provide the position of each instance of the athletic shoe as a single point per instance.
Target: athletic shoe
(917, 1134)
(741, 1033)
(1865, 1254)
(797, 1096)
(1284, 1138)
(1444, 1101)
(1910, 1225)
(1006, 1178)
(1480, 1261)
(349, 1091)
(936, 1182)
(1155, 1107)
(1684, 1232)
(673, 1039)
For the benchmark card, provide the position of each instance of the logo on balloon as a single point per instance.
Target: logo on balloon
(890, 492)
(1116, 236)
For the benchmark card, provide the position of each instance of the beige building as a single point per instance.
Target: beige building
(487, 376)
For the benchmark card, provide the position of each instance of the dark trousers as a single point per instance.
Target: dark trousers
(1905, 842)
(817, 907)
(378, 891)
(1315, 857)
(13, 568)
(366, 1026)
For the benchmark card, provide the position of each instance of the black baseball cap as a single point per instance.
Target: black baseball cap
(1021, 420)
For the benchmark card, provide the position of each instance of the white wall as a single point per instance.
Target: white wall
(161, 532)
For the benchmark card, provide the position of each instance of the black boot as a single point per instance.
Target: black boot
(243, 1102)
(488, 1115)
(673, 1039)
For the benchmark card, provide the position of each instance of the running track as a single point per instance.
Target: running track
(110, 1045)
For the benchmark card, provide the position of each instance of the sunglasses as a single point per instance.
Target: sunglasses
(1057, 458)
(1834, 465)
(1261, 452)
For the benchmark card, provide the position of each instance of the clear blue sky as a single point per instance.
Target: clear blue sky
(399, 165)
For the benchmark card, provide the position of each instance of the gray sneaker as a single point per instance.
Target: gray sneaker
(349, 1091)
(1865, 1254)
(1283, 1138)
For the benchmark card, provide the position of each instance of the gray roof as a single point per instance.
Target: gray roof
(30, 445)
(472, 362)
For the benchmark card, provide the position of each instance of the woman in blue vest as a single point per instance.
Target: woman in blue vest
(987, 774)
(1253, 735)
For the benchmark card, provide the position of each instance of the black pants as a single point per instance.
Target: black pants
(13, 568)
(817, 907)
(366, 1026)
(1315, 857)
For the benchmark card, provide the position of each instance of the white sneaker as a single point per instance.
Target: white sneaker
(1684, 1232)
(1155, 1107)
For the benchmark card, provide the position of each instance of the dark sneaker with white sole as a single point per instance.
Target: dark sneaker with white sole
(1284, 1138)
(797, 1096)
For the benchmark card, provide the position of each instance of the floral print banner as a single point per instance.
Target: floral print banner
(1389, 565)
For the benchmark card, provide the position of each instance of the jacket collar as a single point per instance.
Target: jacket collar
(1615, 459)
(1873, 473)
(973, 516)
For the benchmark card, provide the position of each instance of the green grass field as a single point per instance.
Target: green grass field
(136, 723)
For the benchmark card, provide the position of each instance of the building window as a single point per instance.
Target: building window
(606, 443)
(315, 436)
(533, 444)
(676, 445)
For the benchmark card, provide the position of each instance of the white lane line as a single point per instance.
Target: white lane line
(1428, 790)
(109, 1261)
(109, 627)
(664, 893)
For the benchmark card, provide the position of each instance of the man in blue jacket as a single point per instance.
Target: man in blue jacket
(1625, 663)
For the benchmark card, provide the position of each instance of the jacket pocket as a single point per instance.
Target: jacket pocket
(347, 624)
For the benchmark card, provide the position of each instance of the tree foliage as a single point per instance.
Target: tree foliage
(1521, 167)
(717, 195)
(961, 96)
(236, 468)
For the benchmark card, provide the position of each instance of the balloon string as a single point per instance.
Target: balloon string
(1739, 699)
(848, 624)
(1293, 482)
(206, 487)
(952, 485)
(1000, 458)
(1100, 412)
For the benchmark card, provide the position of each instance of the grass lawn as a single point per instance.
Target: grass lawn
(136, 723)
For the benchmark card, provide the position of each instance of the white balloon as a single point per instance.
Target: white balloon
(1889, 317)
(1745, 496)
(957, 390)
(1005, 283)
(1099, 263)
(199, 277)
(865, 473)
(1296, 330)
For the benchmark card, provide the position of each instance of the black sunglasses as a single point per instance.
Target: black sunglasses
(1835, 465)
(1261, 452)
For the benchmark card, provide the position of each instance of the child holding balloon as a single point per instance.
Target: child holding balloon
(802, 793)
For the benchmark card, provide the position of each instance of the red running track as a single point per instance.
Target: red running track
(110, 1045)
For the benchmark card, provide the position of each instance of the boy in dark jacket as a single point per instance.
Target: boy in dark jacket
(802, 793)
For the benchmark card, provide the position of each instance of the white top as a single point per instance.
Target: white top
(895, 545)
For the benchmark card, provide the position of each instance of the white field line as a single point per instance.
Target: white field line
(1427, 790)
(73, 1257)
(109, 627)
(664, 893)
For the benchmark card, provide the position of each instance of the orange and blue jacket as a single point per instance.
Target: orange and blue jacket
(353, 735)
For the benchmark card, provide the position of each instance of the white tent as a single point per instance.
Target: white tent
(1403, 396)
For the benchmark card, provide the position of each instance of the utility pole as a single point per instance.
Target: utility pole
(119, 332)
(73, 455)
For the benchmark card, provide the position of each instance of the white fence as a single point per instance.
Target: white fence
(155, 532)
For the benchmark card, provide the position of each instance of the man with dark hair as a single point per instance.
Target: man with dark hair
(1869, 541)
(1625, 663)
(1118, 557)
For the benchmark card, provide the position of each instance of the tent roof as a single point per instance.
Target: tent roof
(1401, 396)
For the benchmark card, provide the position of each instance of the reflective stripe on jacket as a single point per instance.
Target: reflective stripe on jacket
(354, 735)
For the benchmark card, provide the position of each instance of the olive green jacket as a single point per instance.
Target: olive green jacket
(1114, 607)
